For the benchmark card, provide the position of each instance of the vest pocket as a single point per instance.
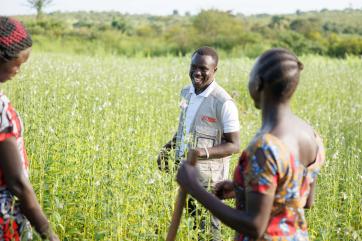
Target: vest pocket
(205, 136)
(211, 172)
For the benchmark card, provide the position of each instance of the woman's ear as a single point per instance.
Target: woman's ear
(300, 65)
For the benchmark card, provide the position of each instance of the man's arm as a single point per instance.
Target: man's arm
(162, 159)
(171, 144)
(229, 147)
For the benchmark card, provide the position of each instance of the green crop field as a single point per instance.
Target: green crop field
(94, 126)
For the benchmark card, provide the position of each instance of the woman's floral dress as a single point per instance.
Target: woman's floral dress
(13, 225)
(268, 167)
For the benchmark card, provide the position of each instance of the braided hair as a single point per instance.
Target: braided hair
(14, 38)
(279, 69)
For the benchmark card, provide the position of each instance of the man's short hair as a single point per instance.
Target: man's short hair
(205, 50)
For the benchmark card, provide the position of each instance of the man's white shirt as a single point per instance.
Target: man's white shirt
(229, 113)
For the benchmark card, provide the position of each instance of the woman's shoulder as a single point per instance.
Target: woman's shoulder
(262, 163)
(307, 130)
(269, 147)
(266, 141)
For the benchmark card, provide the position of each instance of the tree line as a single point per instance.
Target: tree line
(331, 33)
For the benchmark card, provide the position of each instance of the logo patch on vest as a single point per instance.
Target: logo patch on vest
(208, 119)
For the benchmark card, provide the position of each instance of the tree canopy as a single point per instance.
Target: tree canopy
(332, 33)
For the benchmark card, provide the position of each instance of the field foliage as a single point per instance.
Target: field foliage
(325, 32)
(94, 127)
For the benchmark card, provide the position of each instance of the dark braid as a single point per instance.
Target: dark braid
(207, 51)
(280, 69)
(13, 38)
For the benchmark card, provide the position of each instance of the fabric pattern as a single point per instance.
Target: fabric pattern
(279, 174)
(13, 224)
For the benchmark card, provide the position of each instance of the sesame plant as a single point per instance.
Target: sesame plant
(94, 126)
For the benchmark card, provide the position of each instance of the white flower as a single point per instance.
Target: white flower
(344, 196)
(151, 181)
(335, 155)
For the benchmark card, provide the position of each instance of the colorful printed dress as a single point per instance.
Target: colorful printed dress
(280, 175)
(13, 225)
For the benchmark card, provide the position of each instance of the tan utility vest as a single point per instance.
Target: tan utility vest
(206, 129)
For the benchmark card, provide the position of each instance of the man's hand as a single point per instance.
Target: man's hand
(163, 156)
(53, 237)
(227, 148)
(162, 160)
(224, 190)
(193, 155)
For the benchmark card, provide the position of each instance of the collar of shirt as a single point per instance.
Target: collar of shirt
(206, 92)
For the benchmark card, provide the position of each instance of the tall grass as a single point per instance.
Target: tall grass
(94, 127)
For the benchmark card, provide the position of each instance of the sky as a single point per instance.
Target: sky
(165, 7)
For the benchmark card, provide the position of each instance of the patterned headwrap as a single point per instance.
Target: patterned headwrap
(13, 38)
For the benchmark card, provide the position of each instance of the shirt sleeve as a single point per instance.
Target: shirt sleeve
(261, 172)
(6, 127)
(230, 117)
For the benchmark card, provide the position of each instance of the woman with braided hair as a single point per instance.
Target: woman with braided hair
(18, 202)
(276, 174)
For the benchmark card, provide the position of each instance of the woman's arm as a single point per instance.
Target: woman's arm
(252, 222)
(310, 199)
(20, 186)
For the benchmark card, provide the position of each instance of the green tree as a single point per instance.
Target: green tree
(182, 37)
(279, 22)
(39, 6)
(175, 12)
(307, 27)
(341, 46)
(122, 25)
(219, 29)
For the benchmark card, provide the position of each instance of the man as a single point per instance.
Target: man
(208, 126)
